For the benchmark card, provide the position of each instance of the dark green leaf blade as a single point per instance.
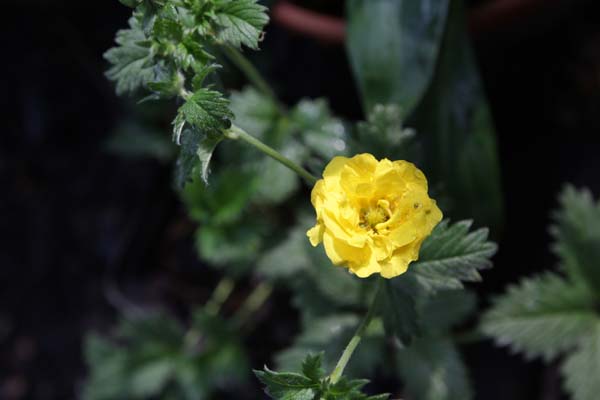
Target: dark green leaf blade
(452, 254)
(207, 110)
(287, 385)
(577, 235)
(454, 120)
(397, 307)
(393, 47)
(195, 146)
(432, 369)
(542, 316)
(581, 368)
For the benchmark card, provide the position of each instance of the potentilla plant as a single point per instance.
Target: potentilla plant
(386, 252)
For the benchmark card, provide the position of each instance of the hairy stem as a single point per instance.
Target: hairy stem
(252, 74)
(219, 295)
(254, 301)
(353, 344)
(236, 132)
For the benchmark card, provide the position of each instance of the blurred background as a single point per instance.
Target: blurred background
(84, 232)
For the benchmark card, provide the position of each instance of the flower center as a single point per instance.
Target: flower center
(373, 216)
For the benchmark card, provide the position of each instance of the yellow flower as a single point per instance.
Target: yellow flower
(372, 216)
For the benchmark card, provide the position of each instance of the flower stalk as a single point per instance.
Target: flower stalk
(356, 338)
(252, 74)
(236, 133)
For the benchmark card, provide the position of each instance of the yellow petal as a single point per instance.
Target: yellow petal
(315, 234)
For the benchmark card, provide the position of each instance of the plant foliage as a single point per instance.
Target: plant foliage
(551, 314)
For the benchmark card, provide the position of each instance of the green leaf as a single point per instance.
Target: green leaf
(229, 246)
(240, 22)
(311, 384)
(454, 122)
(275, 182)
(452, 254)
(446, 308)
(325, 135)
(206, 110)
(330, 335)
(383, 134)
(432, 369)
(195, 147)
(311, 367)
(542, 316)
(393, 47)
(287, 258)
(132, 63)
(254, 112)
(577, 235)
(581, 368)
(148, 380)
(223, 203)
(287, 385)
(398, 310)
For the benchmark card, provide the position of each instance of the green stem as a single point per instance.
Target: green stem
(360, 331)
(254, 301)
(251, 73)
(219, 295)
(236, 132)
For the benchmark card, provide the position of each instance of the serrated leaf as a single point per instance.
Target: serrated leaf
(240, 22)
(542, 316)
(577, 235)
(287, 385)
(132, 64)
(254, 112)
(581, 368)
(311, 367)
(196, 148)
(206, 110)
(384, 135)
(325, 135)
(398, 310)
(393, 47)
(432, 369)
(452, 254)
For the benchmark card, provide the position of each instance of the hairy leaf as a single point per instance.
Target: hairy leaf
(240, 22)
(132, 63)
(206, 110)
(581, 368)
(452, 254)
(542, 316)
(287, 385)
(195, 148)
(312, 384)
(384, 135)
(577, 234)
